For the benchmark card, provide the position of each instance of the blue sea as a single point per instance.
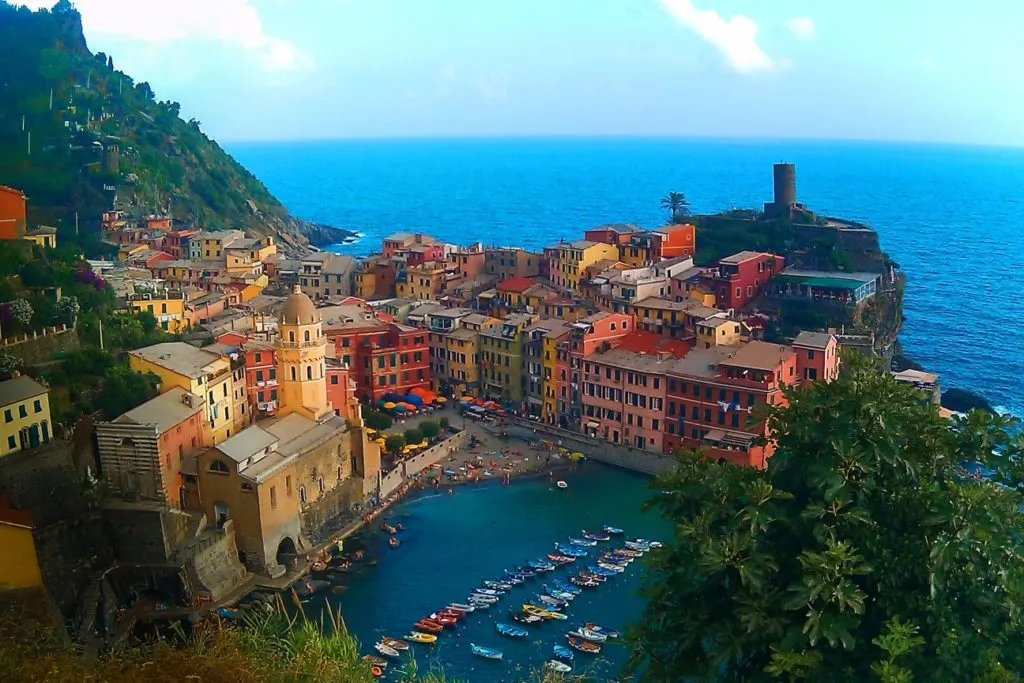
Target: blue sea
(451, 543)
(951, 216)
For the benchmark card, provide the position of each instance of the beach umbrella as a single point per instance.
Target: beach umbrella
(440, 399)
(400, 408)
(389, 406)
(466, 398)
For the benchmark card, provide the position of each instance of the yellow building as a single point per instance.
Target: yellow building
(254, 288)
(204, 373)
(167, 306)
(564, 309)
(424, 282)
(127, 250)
(575, 257)
(43, 237)
(301, 358)
(664, 317)
(19, 563)
(455, 348)
(25, 410)
(717, 332)
(549, 354)
(212, 245)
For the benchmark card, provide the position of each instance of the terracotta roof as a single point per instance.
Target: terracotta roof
(759, 355)
(516, 284)
(649, 342)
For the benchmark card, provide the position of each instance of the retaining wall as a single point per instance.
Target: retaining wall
(415, 465)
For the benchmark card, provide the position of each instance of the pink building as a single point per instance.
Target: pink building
(817, 356)
(624, 397)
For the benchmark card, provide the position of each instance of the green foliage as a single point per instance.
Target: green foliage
(9, 364)
(413, 436)
(394, 443)
(677, 207)
(429, 429)
(21, 313)
(67, 310)
(860, 554)
(375, 419)
(124, 389)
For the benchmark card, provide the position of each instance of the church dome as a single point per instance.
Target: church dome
(298, 309)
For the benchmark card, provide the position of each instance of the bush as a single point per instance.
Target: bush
(394, 443)
(375, 419)
(429, 429)
(413, 436)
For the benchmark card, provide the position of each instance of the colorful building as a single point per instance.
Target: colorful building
(211, 245)
(26, 423)
(13, 214)
(742, 277)
(511, 293)
(506, 262)
(19, 562)
(600, 331)
(167, 306)
(840, 288)
(718, 332)
(501, 358)
(203, 373)
(143, 451)
(818, 356)
(623, 396)
(424, 281)
(574, 257)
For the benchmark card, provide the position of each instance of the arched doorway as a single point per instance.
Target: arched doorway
(286, 551)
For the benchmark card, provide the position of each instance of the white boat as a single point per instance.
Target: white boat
(557, 666)
(461, 607)
(386, 650)
(617, 568)
(489, 591)
(490, 599)
(587, 634)
(479, 604)
(561, 484)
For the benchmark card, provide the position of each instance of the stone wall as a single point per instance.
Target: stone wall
(146, 533)
(212, 565)
(596, 449)
(332, 511)
(414, 465)
(41, 346)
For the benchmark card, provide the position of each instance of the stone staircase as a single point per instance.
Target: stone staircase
(89, 602)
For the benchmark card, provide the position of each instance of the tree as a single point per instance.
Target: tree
(9, 364)
(860, 550)
(145, 90)
(394, 443)
(19, 313)
(429, 429)
(67, 310)
(676, 205)
(375, 419)
(124, 389)
(413, 436)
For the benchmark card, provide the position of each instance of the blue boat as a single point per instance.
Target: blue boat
(512, 631)
(550, 602)
(486, 652)
(558, 593)
(600, 571)
(613, 530)
(562, 652)
(525, 572)
(566, 586)
(596, 535)
(542, 565)
(513, 579)
(572, 551)
(583, 542)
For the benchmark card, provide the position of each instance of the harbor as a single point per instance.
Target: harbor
(451, 544)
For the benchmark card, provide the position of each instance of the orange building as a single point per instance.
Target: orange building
(12, 213)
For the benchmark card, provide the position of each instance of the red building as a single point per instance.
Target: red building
(12, 213)
(600, 331)
(713, 395)
(817, 356)
(341, 388)
(260, 363)
(673, 241)
(383, 357)
(175, 243)
(742, 277)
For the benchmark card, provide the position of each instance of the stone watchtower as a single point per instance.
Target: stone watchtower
(784, 183)
(301, 365)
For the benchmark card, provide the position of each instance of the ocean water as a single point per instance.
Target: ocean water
(952, 217)
(453, 542)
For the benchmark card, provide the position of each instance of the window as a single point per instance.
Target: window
(273, 497)
(302, 495)
(291, 336)
(334, 379)
(22, 411)
(721, 417)
(309, 372)
(259, 375)
(259, 359)
(12, 442)
(707, 414)
(8, 416)
(288, 485)
(320, 484)
(735, 420)
(655, 424)
(219, 467)
(810, 355)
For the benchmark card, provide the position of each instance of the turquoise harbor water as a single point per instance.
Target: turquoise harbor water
(453, 542)
(950, 216)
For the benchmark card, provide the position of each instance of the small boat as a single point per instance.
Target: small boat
(450, 472)
(557, 666)
(479, 604)
(393, 542)
(395, 644)
(513, 579)
(567, 587)
(498, 585)
(595, 535)
(585, 583)
(609, 567)
(442, 619)
(562, 652)
(609, 632)
(583, 542)
(649, 543)
(524, 618)
(374, 660)
(570, 550)
(489, 591)
(425, 638)
(587, 576)
(387, 528)
(552, 602)
(616, 558)
(536, 611)
(525, 572)
(386, 650)
(461, 607)
(429, 626)
(227, 613)
(639, 547)
(481, 597)
(559, 558)
(452, 613)
(613, 530)
(628, 552)
(561, 595)
(583, 645)
(541, 565)
(561, 484)
(485, 652)
(512, 631)
(586, 634)
(602, 571)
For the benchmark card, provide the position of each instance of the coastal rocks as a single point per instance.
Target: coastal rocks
(962, 400)
(320, 235)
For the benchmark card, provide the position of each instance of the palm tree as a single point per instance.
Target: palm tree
(676, 205)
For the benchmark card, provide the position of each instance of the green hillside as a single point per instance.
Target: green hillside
(78, 135)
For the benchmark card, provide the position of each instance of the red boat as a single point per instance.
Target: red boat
(429, 626)
(453, 613)
(442, 619)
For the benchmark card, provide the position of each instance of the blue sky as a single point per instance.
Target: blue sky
(298, 69)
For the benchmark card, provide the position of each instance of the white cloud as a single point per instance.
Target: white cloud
(735, 38)
(802, 28)
(231, 22)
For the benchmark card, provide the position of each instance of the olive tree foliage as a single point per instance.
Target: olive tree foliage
(864, 552)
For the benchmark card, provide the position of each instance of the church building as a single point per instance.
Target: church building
(284, 480)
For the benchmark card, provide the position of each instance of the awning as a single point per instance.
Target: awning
(593, 425)
(714, 435)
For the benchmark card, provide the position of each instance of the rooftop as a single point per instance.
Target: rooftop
(178, 357)
(702, 362)
(813, 340)
(631, 360)
(759, 355)
(165, 411)
(399, 237)
(463, 334)
(642, 341)
(741, 257)
(318, 257)
(19, 389)
(664, 304)
(516, 284)
(916, 377)
(829, 275)
(714, 322)
(582, 244)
